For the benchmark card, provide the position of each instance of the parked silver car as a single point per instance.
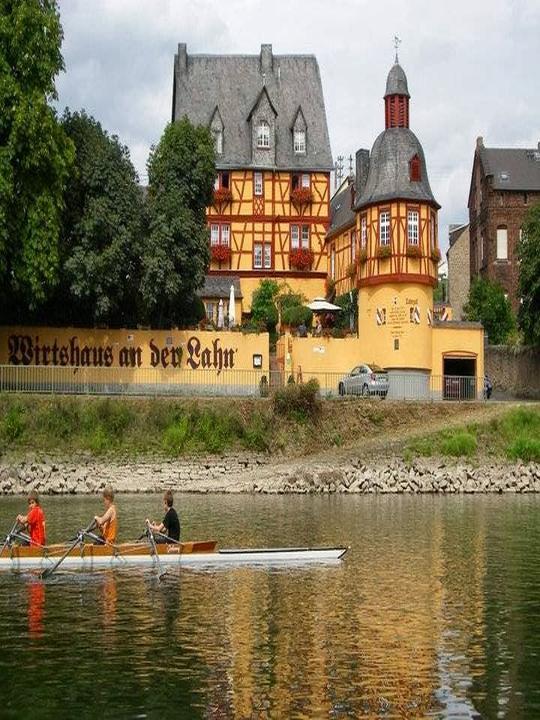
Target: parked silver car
(365, 380)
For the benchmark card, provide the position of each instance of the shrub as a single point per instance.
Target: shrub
(299, 401)
(524, 448)
(459, 444)
(14, 423)
(296, 315)
(256, 433)
(176, 436)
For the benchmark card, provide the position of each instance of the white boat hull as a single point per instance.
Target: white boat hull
(269, 556)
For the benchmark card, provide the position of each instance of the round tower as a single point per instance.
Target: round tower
(396, 220)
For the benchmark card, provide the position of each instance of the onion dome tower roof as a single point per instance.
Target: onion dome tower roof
(389, 170)
(396, 83)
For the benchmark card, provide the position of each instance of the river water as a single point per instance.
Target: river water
(434, 612)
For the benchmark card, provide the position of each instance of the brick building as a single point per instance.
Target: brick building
(505, 182)
(458, 258)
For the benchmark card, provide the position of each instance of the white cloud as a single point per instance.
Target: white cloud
(471, 68)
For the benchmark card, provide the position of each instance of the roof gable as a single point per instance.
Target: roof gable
(263, 99)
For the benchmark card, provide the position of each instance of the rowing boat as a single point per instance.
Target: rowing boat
(196, 553)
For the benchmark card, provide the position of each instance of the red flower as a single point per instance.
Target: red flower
(301, 196)
(221, 253)
(222, 196)
(301, 258)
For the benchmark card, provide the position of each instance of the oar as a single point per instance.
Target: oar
(8, 536)
(79, 539)
(152, 542)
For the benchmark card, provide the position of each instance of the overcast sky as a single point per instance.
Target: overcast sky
(472, 68)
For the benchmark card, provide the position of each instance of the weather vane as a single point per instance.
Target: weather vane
(397, 43)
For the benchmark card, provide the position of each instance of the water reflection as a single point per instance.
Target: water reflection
(433, 614)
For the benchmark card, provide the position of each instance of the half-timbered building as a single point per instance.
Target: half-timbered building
(270, 212)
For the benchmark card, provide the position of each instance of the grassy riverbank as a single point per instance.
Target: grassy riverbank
(290, 425)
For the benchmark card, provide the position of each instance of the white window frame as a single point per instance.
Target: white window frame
(216, 182)
(502, 243)
(304, 237)
(299, 142)
(432, 238)
(210, 308)
(385, 237)
(353, 245)
(258, 255)
(214, 234)
(263, 135)
(225, 234)
(363, 232)
(306, 180)
(413, 222)
(258, 186)
(218, 141)
(295, 237)
(333, 263)
(267, 256)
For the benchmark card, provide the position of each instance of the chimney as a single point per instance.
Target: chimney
(266, 59)
(362, 170)
(479, 143)
(181, 58)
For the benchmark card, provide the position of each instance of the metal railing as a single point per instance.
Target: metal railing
(234, 383)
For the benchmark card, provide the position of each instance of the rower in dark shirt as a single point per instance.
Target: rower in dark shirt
(169, 529)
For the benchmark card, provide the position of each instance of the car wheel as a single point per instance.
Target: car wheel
(341, 389)
(365, 391)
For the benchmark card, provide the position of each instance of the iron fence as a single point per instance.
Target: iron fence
(233, 383)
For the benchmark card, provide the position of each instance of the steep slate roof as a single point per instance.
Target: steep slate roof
(341, 212)
(233, 83)
(219, 286)
(389, 175)
(396, 82)
(512, 168)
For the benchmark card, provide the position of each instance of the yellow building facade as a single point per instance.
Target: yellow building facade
(270, 213)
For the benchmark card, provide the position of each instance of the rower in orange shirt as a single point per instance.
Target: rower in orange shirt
(108, 522)
(34, 520)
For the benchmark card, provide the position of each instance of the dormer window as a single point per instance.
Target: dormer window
(263, 135)
(299, 142)
(414, 169)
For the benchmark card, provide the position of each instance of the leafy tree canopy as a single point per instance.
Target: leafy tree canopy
(263, 304)
(35, 155)
(529, 277)
(488, 305)
(102, 221)
(176, 252)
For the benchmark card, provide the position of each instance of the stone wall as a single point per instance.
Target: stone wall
(259, 474)
(514, 370)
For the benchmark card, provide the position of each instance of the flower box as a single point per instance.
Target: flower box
(384, 251)
(362, 256)
(436, 255)
(222, 196)
(414, 251)
(220, 253)
(301, 258)
(301, 196)
(351, 270)
(330, 287)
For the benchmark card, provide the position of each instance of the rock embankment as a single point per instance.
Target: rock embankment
(253, 473)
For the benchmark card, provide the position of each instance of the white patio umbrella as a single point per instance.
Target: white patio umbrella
(319, 304)
(232, 316)
(220, 315)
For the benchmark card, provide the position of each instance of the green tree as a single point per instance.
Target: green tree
(488, 305)
(102, 226)
(263, 304)
(35, 154)
(176, 252)
(529, 277)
